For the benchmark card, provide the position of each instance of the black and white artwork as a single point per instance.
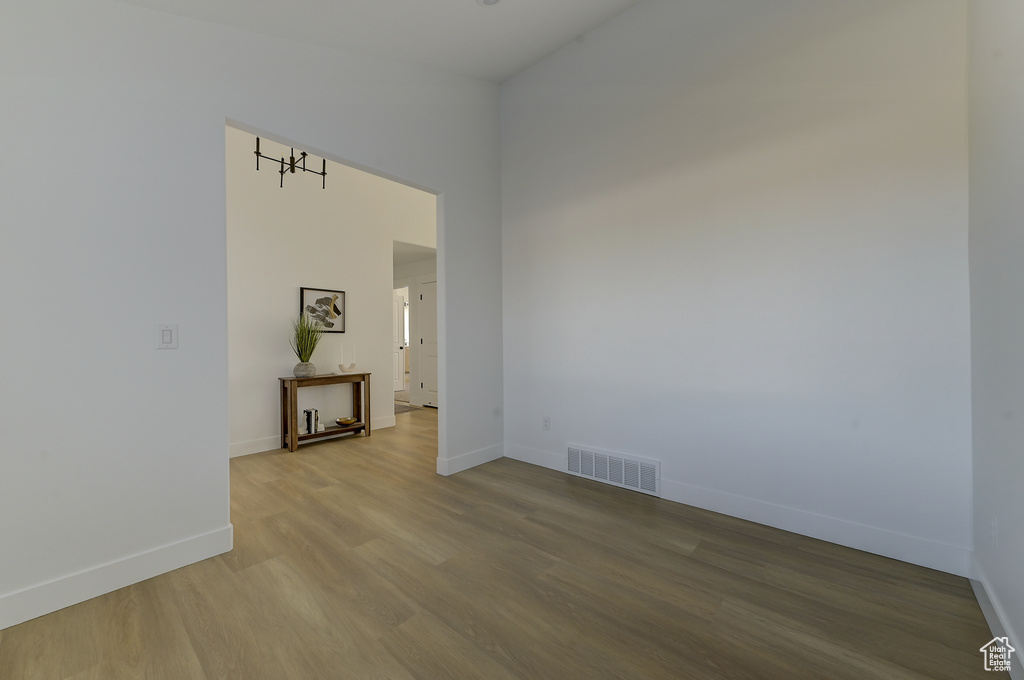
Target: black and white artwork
(325, 306)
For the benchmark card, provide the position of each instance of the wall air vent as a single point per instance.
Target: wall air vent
(629, 472)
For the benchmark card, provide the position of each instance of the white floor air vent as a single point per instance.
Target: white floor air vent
(629, 472)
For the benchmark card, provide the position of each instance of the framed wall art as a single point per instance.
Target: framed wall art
(325, 306)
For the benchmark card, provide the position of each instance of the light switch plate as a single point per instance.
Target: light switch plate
(167, 336)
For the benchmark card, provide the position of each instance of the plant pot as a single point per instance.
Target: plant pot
(304, 369)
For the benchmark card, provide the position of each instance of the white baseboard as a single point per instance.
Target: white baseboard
(525, 454)
(254, 446)
(913, 549)
(43, 598)
(465, 461)
(995, 615)
(923, 552)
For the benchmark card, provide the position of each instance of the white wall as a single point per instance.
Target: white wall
(404, 273)
(115, 455)
(997, 315)
(734, 239)
(282, 238)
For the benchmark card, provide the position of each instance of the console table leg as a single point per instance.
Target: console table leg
(366, 387)
(284, 416)
(293, 416)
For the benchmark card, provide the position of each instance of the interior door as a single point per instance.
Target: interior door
(398, 339)
(428, 339)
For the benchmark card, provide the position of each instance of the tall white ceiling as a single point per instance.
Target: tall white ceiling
(458, 36)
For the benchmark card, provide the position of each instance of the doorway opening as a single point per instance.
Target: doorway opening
(400, 344)
(333, 233)
(415, 283)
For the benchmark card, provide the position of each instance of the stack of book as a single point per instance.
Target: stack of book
(312, 420)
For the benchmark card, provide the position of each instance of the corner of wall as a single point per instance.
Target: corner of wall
(995, 614)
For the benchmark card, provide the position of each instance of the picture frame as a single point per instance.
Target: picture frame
(324, 305)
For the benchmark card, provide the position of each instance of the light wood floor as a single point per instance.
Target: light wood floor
(353, 559)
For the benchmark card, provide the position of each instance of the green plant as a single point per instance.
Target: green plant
(306, 334)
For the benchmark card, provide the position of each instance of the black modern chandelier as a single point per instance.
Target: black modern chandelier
(292, 164)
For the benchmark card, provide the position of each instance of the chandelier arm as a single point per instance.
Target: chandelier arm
(291, 164)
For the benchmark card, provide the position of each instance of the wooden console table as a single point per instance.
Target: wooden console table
(290, 435)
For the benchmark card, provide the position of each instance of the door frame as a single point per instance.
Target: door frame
(416, 394)
(399, 295)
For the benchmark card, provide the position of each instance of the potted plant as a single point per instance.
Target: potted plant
(305, 336)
